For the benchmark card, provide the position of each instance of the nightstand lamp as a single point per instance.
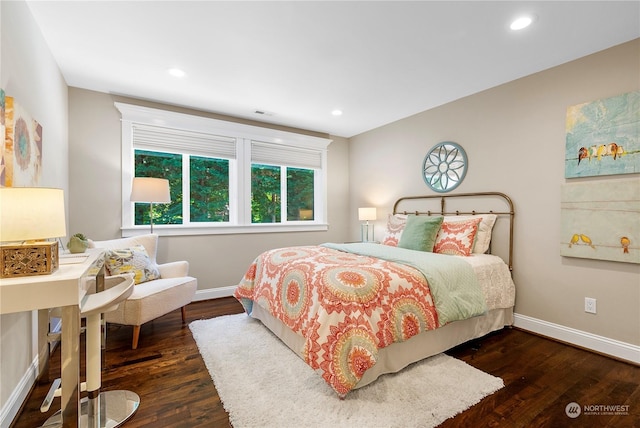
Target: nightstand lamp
(366, 214)
(29, 216)
(150, 190)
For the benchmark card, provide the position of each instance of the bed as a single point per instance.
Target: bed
(441, 276)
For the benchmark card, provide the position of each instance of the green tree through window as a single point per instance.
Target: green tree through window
(160, 165)
(267, 188)
(209, 189)
(265, 194)
(300, 193)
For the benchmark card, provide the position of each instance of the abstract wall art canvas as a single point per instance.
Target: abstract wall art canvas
(603, 137)
(600, 220)
(3, 136)
(22, 149)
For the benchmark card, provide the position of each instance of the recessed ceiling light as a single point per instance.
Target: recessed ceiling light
(337, 112)
(520, 23)
(176, 72)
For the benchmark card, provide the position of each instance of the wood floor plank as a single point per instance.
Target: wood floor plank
(541, 377)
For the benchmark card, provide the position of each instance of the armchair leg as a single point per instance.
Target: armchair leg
(136, 336)
(184, 314)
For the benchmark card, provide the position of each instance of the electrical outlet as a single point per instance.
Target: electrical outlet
(590, 305)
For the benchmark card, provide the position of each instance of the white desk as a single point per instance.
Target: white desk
(65, 288)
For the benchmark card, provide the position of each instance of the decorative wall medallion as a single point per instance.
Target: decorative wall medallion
(444, 167)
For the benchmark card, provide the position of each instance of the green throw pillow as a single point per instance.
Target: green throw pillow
(420, 233)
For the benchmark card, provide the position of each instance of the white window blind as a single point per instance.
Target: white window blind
(274, 154)
(154, 138)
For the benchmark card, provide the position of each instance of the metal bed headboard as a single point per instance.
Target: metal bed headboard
(443, 210)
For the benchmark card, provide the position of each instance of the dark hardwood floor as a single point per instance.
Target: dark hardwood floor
(541, 378)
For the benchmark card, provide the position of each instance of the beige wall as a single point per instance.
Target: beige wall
(514, 136)
(216, 260)
(30, 75)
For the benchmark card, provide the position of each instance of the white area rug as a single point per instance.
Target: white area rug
(262, 383)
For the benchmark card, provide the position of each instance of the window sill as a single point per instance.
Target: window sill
(165, 230)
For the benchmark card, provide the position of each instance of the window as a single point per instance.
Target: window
(209, 189)
(283, 183)
(160, 165)
(300, 194)
(266, 195)
(225, 177)
(268, 185)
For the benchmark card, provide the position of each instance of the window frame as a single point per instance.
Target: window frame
(239, 175)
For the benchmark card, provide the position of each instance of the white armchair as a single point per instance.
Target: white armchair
(151, 299)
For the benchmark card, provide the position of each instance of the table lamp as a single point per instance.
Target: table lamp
(150, 190)
(28, 217)
(366, 214)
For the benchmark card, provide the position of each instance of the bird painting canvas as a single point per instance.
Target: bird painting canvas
(603, 137)
(601, 220)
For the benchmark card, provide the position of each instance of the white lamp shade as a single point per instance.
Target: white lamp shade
(367, 213)
(31, 213)
(147, 189)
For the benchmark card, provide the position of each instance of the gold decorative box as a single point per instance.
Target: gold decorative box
(40, 258)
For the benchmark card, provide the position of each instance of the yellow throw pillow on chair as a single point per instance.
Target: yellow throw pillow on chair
(132, 260)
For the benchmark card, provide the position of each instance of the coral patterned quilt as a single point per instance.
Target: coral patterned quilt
(348, 304)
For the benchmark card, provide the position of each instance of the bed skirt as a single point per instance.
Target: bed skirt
(397, 356)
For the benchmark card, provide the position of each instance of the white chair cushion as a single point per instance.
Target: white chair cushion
(154, 299)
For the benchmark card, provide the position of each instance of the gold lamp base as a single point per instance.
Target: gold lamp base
(39, 258)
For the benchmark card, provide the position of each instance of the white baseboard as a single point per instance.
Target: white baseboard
(19, 395)
(214, 293)
(604, 345)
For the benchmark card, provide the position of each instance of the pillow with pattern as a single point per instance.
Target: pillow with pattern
(483, 236)
(456, 237)
(132, 260)
(395, 226)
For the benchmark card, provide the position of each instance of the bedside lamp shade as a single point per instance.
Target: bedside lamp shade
(30, 214)
(150, 190)
(368, 213)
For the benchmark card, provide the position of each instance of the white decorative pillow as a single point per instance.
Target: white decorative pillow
(132, 260)
(456, 237)
(395, 226)
(483, 237)
(149, 241)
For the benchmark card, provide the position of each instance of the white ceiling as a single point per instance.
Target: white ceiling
(377, 61)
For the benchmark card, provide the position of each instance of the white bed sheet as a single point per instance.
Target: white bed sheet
(495, 280)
